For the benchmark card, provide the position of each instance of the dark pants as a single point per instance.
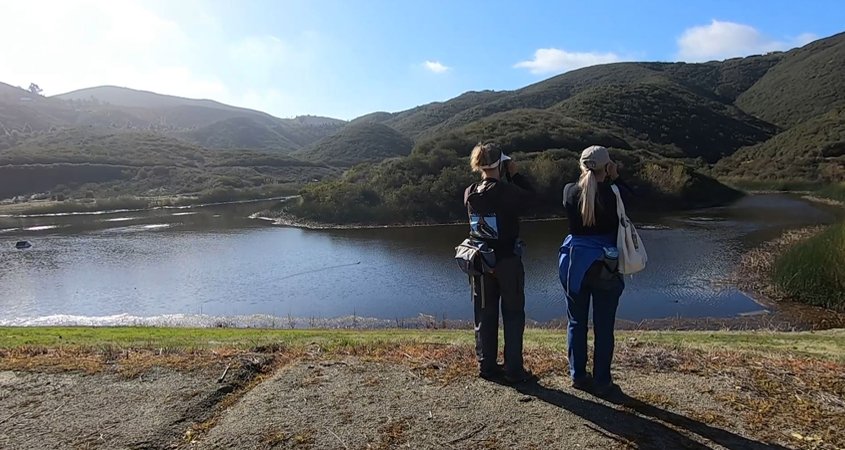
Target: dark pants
(605, 290)
(508, 283)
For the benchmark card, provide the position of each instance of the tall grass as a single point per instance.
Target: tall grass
(834, 192)
(813, 271)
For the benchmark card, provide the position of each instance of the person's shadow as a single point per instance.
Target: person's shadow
(641, 428)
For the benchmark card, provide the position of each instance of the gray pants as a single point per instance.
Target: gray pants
(506, 287)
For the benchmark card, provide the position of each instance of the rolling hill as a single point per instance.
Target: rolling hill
(203, 122)
(806, 83)
(767, 117)
(105, 163)
(133, 98)
(357, 143)
(672, 119)
(813, 151)
(773, 116)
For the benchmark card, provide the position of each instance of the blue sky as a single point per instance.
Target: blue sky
(347, 58)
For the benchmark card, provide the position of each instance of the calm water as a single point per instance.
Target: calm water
(205, 265)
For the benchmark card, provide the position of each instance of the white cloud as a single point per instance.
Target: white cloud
(721, 40)
(436, 67)
(553, 60)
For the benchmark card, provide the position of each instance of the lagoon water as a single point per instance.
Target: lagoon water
(215, 265)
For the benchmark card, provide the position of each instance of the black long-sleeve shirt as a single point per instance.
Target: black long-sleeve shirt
(508, 201)
(607, 219)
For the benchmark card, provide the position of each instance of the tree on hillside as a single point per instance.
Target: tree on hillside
(35, 89)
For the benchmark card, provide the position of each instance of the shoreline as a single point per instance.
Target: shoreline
(24, 215)
(749, 277)
(293, 222)
(286, 219)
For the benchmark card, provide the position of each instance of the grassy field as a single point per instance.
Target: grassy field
(827, 344)
(813, 271)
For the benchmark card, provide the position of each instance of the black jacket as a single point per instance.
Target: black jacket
(607, 220)
(505, 201)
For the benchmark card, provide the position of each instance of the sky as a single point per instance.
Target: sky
(346, 58)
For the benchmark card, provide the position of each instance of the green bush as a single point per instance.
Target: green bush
(428, 188)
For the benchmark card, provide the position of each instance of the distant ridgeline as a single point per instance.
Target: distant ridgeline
(770, 120)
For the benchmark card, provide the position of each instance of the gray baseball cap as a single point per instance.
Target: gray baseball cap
(594, 157)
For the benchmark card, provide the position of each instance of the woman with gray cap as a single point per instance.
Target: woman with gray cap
(494, 206)
(588, 269)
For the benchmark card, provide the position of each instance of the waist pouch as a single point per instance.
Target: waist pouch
(475, 257)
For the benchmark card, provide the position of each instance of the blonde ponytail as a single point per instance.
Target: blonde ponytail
(589, 186)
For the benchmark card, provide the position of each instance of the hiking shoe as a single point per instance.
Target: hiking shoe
(584, 383)
(494, 373)
(523, 376)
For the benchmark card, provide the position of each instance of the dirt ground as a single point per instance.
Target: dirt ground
(427, 398)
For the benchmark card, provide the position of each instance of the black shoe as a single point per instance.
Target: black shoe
(609, 390)
(584, 383)
(521, 377)
(494, 373)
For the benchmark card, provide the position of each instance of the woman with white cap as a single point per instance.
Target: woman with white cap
(588, 268)
(494, 207)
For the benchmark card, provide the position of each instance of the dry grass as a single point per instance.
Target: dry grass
(127, 363)
(775, 392)
(281, 439)
(780, 395)
(393, 434)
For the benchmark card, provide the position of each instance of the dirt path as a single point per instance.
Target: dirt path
(427, 397)
(352, 404)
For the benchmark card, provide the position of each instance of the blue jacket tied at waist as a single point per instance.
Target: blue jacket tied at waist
(577, 254)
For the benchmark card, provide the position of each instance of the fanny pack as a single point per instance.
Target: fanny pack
(475, 257)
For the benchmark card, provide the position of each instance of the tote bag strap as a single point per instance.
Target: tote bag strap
(620, 205)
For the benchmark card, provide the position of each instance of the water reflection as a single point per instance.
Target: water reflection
(217, 262)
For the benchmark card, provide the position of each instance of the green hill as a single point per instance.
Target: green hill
(523, 130)
(89, 162)
(812, 151)
(739, 114)
(145, 100)
(417, 121)
(240, 132)
(668, 118)
(357, 143)
(807, 82)
(722, 81)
